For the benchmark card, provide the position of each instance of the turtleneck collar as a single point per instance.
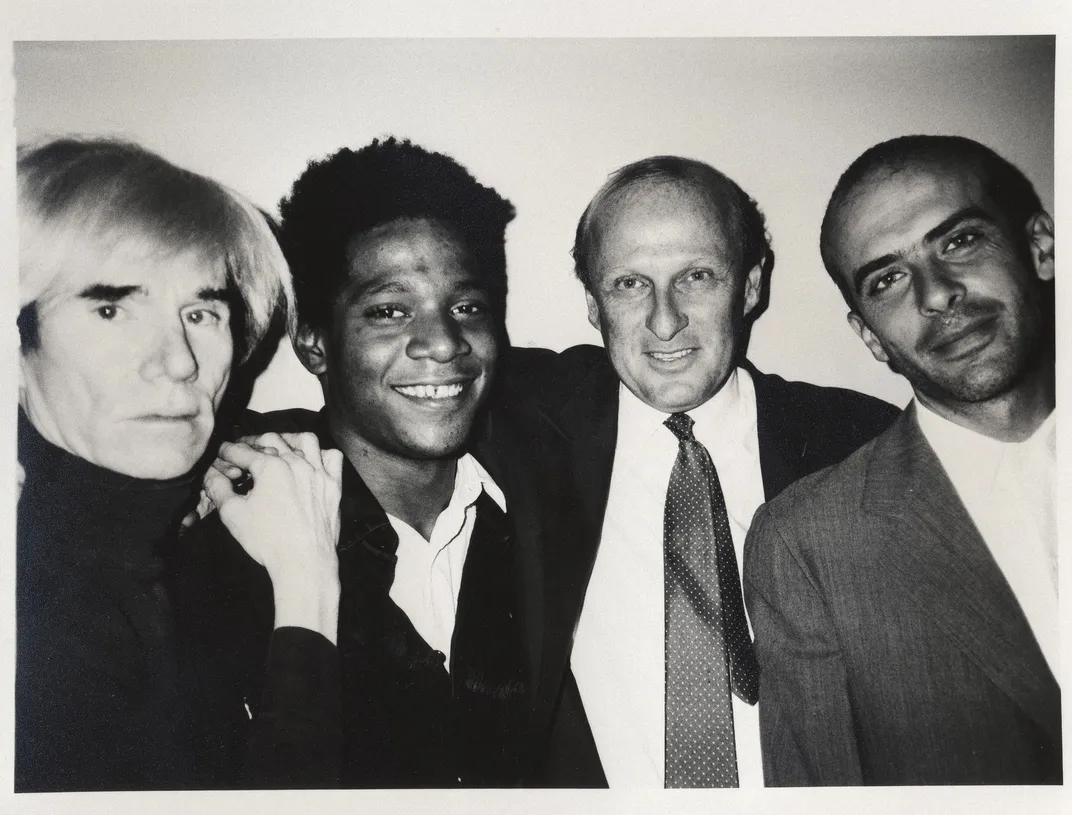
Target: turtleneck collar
(128, 516)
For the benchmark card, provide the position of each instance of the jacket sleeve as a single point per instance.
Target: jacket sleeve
(807, 731)
(296, 736)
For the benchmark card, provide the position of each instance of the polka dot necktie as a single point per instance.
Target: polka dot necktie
(708, 649)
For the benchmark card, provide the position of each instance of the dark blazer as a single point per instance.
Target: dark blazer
(892, 651)
(801, 428)
(405, 721)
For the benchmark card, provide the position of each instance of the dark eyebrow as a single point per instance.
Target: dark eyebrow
(109, 294)
(216, 295)
(966, 214)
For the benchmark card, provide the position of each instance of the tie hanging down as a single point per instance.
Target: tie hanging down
(708, 649)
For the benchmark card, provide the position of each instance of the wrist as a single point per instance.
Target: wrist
(309, 601)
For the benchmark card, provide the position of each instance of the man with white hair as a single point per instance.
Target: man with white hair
(141, 285)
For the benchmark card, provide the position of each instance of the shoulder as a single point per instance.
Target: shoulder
(292, 420)
(812, 509)
(843, 414)
(550, 379)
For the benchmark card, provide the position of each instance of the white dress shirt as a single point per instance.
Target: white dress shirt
(1008, 489)
(428, 574)
(619, 653)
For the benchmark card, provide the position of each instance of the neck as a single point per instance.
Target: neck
(1012, 416)
(413, 490)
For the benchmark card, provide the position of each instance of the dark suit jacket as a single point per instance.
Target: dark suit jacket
(801, 427)
(892, 651)
(404, 720)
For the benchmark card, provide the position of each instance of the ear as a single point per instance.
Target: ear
(1040, 239)
(311, 348)
(753, 287)
(593, 311)
(868, 336)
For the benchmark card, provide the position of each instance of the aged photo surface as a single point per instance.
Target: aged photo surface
(535, 128)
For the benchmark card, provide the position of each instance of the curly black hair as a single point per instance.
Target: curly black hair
(352, 191)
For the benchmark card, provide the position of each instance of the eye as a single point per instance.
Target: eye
(470, 309)
(628, 283)
(879, 283)
(962, 240)
(384, 313)
(108, 311)
(699, 275)
(203, 316)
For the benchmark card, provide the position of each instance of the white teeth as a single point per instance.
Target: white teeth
(668, 356)
(430, 391)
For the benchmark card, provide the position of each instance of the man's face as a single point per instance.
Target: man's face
(946, 290)
(412, 348)
(667, 293)
(132, 361)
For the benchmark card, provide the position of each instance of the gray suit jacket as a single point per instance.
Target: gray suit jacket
(891, 648)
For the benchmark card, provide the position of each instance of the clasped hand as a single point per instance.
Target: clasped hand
(288, 522)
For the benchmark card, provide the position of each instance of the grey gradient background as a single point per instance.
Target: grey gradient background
(545, 121)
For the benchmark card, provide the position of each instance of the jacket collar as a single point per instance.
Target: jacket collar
(935, 551)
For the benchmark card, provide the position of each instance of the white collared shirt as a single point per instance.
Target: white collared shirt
(619, 653)
(428, 575)
(1009, 491)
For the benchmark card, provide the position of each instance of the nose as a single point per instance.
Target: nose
(171, 354)
(437, 337)
(938, 289)
(666, 318)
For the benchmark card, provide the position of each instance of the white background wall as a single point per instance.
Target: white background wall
(545, 120)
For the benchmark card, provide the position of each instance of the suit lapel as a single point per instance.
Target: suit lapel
(933, 549)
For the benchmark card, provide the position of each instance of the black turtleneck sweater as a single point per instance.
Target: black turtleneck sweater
(96, 683)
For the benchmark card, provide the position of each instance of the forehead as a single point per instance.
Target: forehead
(890, 211)
(654, 217)
(135, 262)
(409, 249)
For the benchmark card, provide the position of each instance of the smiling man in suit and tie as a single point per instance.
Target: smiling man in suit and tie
(905, 601)
(676, 440)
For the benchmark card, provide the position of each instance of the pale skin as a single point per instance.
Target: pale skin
(289, 521)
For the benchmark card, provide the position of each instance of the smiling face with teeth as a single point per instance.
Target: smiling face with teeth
(667, 292)
(412, 345)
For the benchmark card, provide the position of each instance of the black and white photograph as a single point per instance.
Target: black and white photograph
(662, 422)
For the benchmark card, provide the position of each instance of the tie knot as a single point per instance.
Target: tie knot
(680, 425)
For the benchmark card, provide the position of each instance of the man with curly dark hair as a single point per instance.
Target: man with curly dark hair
(455, 510)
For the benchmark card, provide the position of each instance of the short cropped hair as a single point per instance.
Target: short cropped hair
(1004, 184)
(81, 199)
(348, 193)
(747, 223)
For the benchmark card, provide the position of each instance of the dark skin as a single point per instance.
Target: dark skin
(406, 363)
(412, 490)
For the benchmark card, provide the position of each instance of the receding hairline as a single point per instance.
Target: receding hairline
(722, 205)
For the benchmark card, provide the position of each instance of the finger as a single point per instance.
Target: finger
(245, 457)
(333, 461)
(232, 471)
(273, 440)
(217, 487)
(306, 445)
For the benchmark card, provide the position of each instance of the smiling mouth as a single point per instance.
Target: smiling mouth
(964, 338)
(670, 356)
(431, 392)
